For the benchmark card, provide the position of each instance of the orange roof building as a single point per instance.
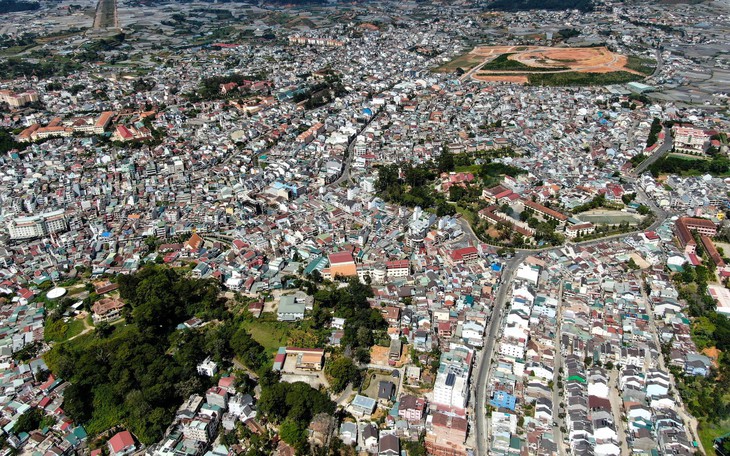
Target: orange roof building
(342, 264)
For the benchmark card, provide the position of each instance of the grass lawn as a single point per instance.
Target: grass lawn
(470, 216)
(61, 331)
(75, 328)
(709, 432)
(465, 60)
(641, 64)
(270, 334)
(474, 169)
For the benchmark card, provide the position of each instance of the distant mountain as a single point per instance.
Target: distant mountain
(12, 6)
(554, 5)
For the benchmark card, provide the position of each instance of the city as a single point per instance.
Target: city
(392, 228)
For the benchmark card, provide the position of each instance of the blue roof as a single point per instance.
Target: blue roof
(363, 402)
(504, 400)
(496, 267)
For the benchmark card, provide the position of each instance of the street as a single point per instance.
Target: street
(483, 370)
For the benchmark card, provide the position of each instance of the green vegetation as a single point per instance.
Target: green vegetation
(210, 88)
(684, 166)
(340, 372)
(58, 330)
(8, 143)
(656, 128)
(636, 160)
(416, 189)
(595, 203)
(321, 93)
(568, 33)
(270, 334)
(362, 323)
(504, 63)
(14, 68)
(12, 6)
(138, 374)
(574, 78)
(641, 64)
(707, 398)
(466, 60)
(292, 406)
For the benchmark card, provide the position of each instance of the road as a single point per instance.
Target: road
(661, 150)
(691, 423)
(483, 368)
(557, 379)
(350, 153)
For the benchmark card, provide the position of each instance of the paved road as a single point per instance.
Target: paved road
(483, 369)
(350, 153)
(658, 153)
(557, 378)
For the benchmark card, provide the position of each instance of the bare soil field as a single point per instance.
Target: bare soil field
(541, 58)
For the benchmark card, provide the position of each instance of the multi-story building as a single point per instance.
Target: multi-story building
(37, 225)
(16, 100)
(689, 140)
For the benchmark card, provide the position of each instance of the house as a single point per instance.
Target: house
(697, 365)
(208, 367)
(395, 351)
(289, 309)
(122, 443)
(217, 396)
(389, 445)
(363, 405)
(107, 309)
(370, 437)
(411, 408)
(348, 433)
(413, 375)
(194, 243)
(386, 390)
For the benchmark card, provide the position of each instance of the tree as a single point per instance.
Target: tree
(28, 421)
(293, 433)
(104, 330)
(445, 162)
(247, 350)
(341, 371)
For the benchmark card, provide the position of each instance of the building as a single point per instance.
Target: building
(389, 445)
(342, 264)
(107, 309)
(289, 309)
(16, 100)
(689, 140)
(201, 428)
(208, 367)
(102, 122)
(122, 444)
(445, 435)
(411, 408)
(307, 358)
(37, 225)
(581, 229)
(217, 396)
(464, 255)
(684, 226)
(363, 405)
(545, 212)
(398, 269)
